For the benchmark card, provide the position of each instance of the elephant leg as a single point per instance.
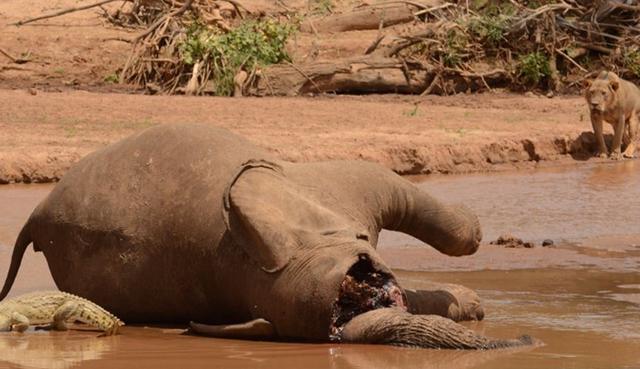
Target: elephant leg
(255, 329)
(451, 301)
(394, 326)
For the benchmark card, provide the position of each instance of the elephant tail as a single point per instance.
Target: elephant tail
(393, 326)
(24, 239)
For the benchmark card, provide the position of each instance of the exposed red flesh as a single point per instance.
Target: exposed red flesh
(363, 289)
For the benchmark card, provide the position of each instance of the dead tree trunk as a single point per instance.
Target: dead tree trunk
(369, 17)
(368, 74)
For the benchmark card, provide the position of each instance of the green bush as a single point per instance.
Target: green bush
(455, 46)
(111, 78)
(250, 45)
(533, 67)
(321, 7)
(490, 29)
(631, 61)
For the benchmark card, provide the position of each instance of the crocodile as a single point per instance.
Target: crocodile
(54, 309)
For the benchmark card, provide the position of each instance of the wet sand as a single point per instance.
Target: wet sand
(581, 298)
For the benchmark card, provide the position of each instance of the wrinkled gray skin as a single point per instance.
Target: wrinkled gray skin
(184, 223)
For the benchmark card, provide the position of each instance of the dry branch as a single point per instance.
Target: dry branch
(163, 19)
(570, 59)
(63, 12)
(3, 52)
(18, 60)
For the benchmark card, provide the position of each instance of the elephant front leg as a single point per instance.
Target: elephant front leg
(596, 122)
(455, 302)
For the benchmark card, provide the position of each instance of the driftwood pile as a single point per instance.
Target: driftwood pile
(155, 60)
(457, 48)
(441, 47)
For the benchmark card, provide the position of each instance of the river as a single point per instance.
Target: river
(580, 297)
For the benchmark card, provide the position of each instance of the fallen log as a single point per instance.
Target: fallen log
(368, 17)
(369, 74)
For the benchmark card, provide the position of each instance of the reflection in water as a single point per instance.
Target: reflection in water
(613, 176)
(52, 350)
(154, 348)
(385, 357)
(148, 347)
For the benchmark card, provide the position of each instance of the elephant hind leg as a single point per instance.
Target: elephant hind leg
(394, 326)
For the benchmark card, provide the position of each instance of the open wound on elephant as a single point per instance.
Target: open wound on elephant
(363, 289)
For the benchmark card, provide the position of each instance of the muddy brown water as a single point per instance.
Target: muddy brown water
(581, 297)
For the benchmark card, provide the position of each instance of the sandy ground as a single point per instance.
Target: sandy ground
(57, 107)
(41, 135)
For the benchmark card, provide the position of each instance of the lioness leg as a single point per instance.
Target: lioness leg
(631, 133)
(618, 130)
(596, 122)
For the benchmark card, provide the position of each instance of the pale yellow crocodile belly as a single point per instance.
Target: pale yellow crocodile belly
(56, 309)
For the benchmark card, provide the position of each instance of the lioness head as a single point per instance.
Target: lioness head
(601, 92)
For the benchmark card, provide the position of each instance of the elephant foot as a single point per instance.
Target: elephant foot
(362, 290)
(455, 302)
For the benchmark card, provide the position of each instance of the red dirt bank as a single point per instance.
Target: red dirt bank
(42, 135)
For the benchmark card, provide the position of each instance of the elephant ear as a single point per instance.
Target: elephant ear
(272, 218)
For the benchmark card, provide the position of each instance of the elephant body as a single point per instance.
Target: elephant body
(189, 222)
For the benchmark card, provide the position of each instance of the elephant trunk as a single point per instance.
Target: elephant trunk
(379, 198)
(395, 326)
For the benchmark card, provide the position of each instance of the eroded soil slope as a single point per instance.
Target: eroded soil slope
(42, 134)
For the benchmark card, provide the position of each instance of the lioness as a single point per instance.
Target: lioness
(617, 102)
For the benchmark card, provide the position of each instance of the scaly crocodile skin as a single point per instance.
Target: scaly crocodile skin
(40, 308)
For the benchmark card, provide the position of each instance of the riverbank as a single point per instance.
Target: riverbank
(43, 133)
